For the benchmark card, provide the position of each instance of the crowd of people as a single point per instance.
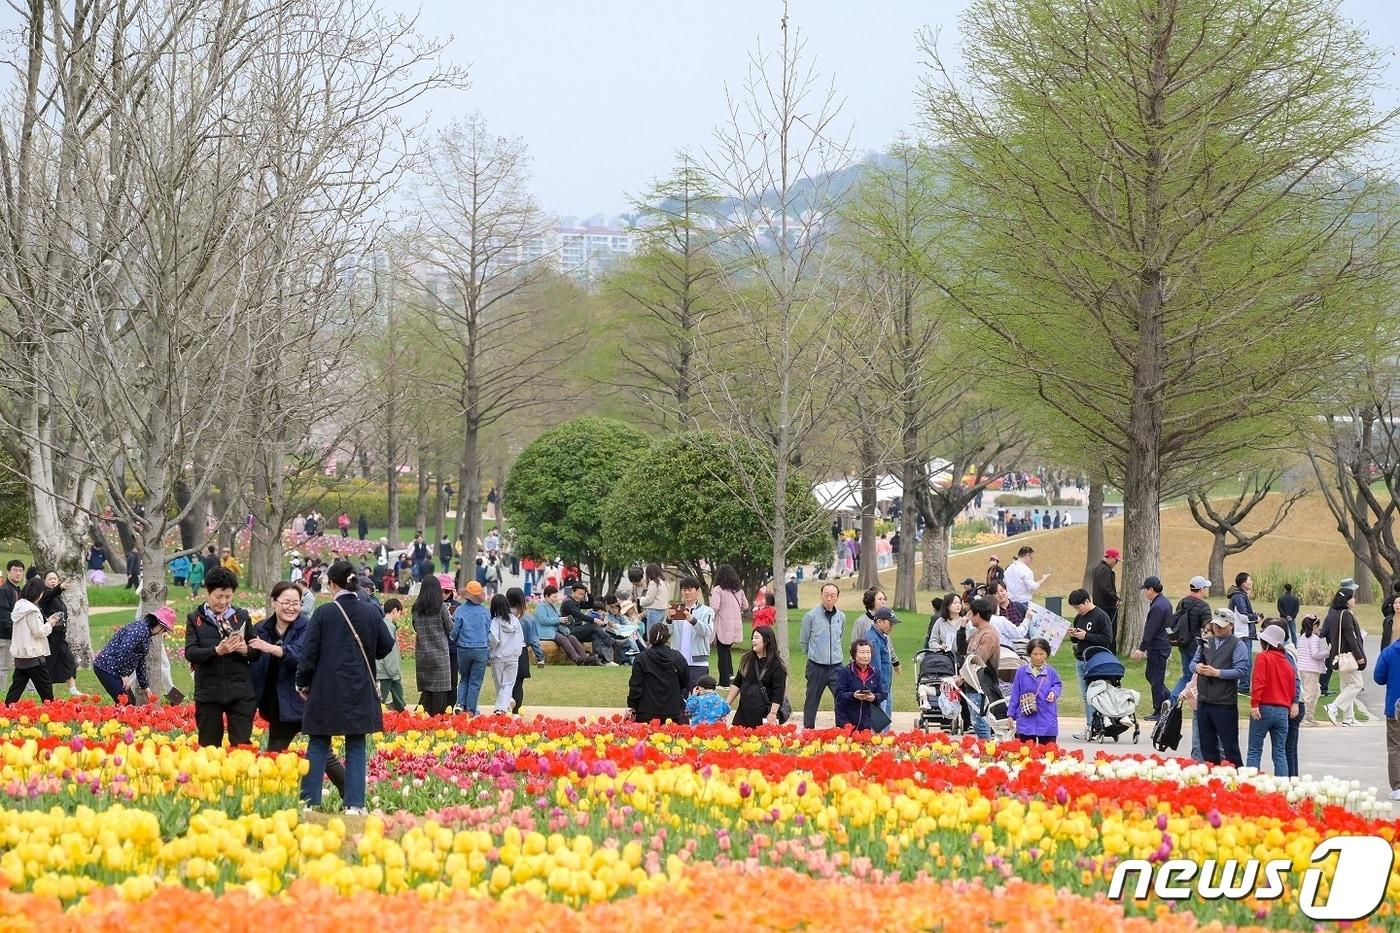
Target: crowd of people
(328, 667)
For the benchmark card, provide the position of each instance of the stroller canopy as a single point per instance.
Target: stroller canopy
(935, 664)
(1101, 664)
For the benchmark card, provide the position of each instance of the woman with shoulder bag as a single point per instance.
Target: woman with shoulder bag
(431, 625)
(761, 684)
(30, 644)
(1348, 658)
(63, 667)
(336, 679)
(728, 601)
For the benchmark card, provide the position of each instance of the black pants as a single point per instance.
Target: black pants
(1220, 731)
(1157, 677)
(726, 663)
(603, 643)
(436, 702)
(209, 719)
(819, 677)
(279, 739)
(38, 675)
(521, 672)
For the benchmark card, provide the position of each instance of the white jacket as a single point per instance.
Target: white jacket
(31, 635)
(506, 639)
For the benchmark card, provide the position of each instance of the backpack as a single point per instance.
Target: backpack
(1166, 734)
(1178, 630)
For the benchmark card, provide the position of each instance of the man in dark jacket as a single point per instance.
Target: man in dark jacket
(1154, 645)
(585, 626)
(1221, 660)
(1189, 620)
(1239, 602)
(1104, 584)
(1092, 629)
(9, 595)
(1288, 607)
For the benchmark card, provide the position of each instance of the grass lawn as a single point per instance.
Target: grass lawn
(567, 685)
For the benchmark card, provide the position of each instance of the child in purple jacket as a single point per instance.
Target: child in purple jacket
(1035, 697)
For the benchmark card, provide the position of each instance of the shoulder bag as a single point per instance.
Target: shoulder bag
(373, 681)
(784, 706)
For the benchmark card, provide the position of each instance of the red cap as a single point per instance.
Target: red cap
(1112, 554)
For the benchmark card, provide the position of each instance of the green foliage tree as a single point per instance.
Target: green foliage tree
(556, 489)
(1162, 211)
(676, 506)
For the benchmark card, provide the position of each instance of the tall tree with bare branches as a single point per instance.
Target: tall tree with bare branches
(769, 375)
(482, 250)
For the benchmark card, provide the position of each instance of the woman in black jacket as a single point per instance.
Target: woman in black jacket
(660, 680)
(62, 666)
(216, 645)
(1347, 656)
(336, 679)
(762, 682)
(277, 642)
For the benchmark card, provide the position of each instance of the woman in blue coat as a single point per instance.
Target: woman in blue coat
(858, 688)
(336, 679)
(277, 641)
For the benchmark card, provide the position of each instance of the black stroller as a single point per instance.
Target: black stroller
(940, 708)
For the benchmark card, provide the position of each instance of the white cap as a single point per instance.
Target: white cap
(1199, 582)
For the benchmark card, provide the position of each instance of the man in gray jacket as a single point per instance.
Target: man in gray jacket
(823, 641)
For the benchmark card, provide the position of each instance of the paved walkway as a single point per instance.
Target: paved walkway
(1355, 753)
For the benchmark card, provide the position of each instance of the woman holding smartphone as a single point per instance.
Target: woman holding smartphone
(62, 666)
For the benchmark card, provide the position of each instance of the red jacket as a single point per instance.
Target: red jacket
(1272, 681)
(764, 615)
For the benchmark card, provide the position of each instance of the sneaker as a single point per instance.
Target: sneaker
(73, 691)
(1080, 736)
(1349, 722)
(1395, 794)
(1331, 711)
(611, 664)
(356, 811)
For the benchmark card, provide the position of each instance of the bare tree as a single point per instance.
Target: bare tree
(768, 379)
(667, 295)
(1223, 524)
(482, 247)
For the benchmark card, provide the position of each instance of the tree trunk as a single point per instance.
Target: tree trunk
(191, 526)
(439, 506)
(869, 571)
(55, 550)
(420, 515)
(904, 597)
(153, 597)
(391, 456)
(937, 543)
(1093, 552)
(1142, 528)
(1217, 564)
(471, 478)
(1361, 570)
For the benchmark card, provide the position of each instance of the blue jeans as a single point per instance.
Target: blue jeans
(1084, 692)
(1273, 722)
(653, 617)
(318, 749)
(980, 727)
(471, 665)
(1186, 653)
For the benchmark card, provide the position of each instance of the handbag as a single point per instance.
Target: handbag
(784, 707)
(1346, 663)
(879, 719)
(373, 681)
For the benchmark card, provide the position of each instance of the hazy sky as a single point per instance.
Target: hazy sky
(605, 92)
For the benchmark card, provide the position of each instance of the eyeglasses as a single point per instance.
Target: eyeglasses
(288, 603)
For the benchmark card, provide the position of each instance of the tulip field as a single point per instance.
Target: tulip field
(117, 820)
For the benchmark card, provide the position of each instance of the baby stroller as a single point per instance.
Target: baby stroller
(1113, 707)
(940, 702)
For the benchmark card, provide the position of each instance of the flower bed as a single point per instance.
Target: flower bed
(124, 820)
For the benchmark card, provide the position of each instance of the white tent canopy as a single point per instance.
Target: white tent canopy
(843, 495)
